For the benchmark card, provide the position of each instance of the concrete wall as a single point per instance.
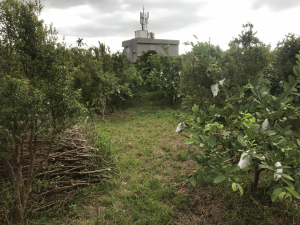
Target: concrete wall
(136, 47)
(141, 34)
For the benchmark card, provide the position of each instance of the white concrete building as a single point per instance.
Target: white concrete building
(145, 41)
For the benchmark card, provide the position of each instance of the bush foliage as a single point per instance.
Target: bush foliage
(252, 132)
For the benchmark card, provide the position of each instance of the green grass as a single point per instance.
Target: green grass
(154, 164)
(145, 193)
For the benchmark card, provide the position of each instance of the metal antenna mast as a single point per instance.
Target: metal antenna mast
(144, 19)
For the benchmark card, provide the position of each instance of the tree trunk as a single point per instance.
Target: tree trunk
(256, 178)
(112, 107)
(20, 190)
(16, 179)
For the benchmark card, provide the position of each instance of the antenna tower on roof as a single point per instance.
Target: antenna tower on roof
(144, 19)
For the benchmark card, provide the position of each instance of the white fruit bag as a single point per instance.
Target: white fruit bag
(244, 162)
(265, 125)
(180, 127)
(215, 90)
(277, 176)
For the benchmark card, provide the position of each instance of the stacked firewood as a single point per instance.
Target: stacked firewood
(72, 165)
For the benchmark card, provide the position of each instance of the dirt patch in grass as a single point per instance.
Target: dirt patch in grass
(216, 204)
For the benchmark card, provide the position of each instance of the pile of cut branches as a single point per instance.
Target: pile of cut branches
(72, 165)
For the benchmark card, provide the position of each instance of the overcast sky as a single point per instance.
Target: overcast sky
(113, 21)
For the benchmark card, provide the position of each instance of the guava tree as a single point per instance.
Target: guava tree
(127, 76)
(165, 73)
(143, 64)
(36, 97)
(252, 132)
(200, 71)
(95, 85)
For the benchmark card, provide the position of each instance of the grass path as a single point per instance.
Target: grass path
(150, 188)
(153, 164)
(152, 160)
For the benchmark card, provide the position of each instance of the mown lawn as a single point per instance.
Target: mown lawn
(150, 187)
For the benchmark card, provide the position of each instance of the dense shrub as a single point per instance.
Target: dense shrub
(36, 97)
(101, 77)
(249, 133)
(165, 73)
(200, 71)
(283, 60)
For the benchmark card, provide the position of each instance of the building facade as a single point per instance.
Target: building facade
(145, 41)
(135, 47)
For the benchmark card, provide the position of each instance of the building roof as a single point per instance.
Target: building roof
(151, 41)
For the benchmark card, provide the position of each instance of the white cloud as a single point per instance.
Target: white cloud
(112, 21)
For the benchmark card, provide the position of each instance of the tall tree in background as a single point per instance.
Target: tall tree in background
(284, 58)
(247, 58)
(79, 42)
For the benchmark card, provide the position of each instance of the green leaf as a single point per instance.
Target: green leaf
(298, 142)
(247, 115)
(241, 189)
(241, 140)
(227, 169)
(255, 127)
(265, 166)
(197, 137)
(285, 175)
(225, 133)
(288, 127)
(190, 148)
(189, 141)
(276, 115)
(293, 192)
(234, 168)
(296, 70)
(292, 80)
(219, 179)
(270, 132)
(286, 86)
(275, 194)
(293, 117)
(212, 140)
(257, 156)
(287, 100)
(200, 178)
(288, 161)
(193, 181)
(258, 115)
(282, 167)
(281, 195)
(194, 158)
(234, 187)
(288, 182)
(204, 139)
